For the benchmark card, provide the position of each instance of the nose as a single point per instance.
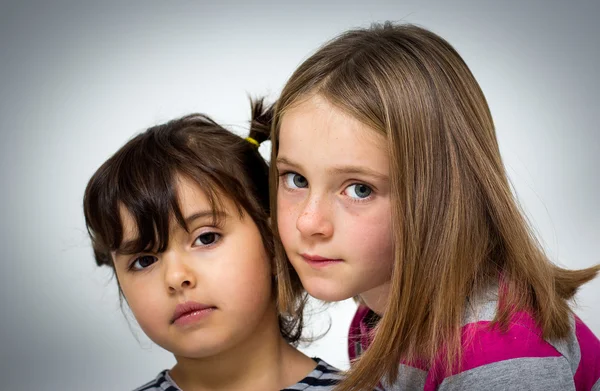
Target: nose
(314, 219)
(178, 275)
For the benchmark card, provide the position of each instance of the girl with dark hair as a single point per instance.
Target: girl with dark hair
(181, 214)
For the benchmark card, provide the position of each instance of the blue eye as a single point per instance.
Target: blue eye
(295, 181)
(207, 238)
(358, 191)
(143, 262)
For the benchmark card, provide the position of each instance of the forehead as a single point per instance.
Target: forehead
(317, 132)
(191, 199)
(190, 196)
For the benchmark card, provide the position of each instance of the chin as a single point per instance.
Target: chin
(199, 351)
(326, 291)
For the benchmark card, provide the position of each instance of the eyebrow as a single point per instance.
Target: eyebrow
(216, 214)
(348, 169)
(129, 247)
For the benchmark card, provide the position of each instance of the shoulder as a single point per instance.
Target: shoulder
(587, 374)
(484, 342)
(162, 382)
(521, 357)
(323, 377)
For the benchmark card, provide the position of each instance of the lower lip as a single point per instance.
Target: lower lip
(193, 317)
(322, 264)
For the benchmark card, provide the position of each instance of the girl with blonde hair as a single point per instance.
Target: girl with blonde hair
(388, 186)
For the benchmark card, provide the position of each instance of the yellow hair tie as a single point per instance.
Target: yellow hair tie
(252, 141)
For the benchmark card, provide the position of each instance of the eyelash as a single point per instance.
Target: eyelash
(132, 267)
(217, 235)
(361, 200)
(282, 179)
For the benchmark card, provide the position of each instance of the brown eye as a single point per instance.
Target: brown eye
(207, 239)
(143, 262)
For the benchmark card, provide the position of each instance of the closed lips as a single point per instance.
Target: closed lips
(317, 258)
(187, 308)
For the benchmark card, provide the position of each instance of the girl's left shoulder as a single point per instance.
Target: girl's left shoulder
(520, 357)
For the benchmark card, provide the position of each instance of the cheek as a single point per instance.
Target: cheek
(379, 245)
(246, 279)
(286, 217)
(247, 294)
(145, 304)
(370, 236)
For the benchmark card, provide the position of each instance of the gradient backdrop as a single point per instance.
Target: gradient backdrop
(78, 80)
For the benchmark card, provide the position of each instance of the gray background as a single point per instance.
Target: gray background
(78, 80)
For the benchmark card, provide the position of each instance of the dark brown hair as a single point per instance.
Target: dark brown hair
(141, 176)
(456, 224)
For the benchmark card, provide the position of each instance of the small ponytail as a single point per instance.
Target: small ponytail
(262, 118)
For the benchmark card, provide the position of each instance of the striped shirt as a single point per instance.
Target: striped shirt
(518, 359)
(323, 378)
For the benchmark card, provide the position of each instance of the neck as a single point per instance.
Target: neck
(376, 298)
(263, 361)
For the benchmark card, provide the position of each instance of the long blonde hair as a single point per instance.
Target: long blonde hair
(456, 224)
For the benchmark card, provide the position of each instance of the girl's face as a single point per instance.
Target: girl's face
(210, 290)
(333, 203)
